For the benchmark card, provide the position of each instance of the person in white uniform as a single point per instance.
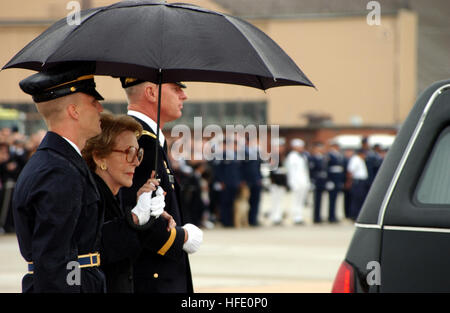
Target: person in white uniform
(297, 179)
(278, 178)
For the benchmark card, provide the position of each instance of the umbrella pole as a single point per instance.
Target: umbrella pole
(158, 122)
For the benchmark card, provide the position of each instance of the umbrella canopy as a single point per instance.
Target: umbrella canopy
(164, 42)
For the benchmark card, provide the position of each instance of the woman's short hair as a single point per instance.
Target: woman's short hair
(112, 126)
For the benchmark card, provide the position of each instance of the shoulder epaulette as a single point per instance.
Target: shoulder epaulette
(147, 133)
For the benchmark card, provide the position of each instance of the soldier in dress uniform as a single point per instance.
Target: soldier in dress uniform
(348, 153)
(318, 172)
(228, 174)
(251, 172)
(163, 267)
(55, 203)
(378, 156)
(336, 178)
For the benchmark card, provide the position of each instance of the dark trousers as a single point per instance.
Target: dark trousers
(214, 201)
(255, 196)
(317, 204)
(347, 203)
(332, 196)
(358, 194)
(227, 205)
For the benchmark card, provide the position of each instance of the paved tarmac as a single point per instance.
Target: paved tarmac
(285, 258)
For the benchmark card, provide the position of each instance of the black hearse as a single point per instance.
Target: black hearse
(402, 237)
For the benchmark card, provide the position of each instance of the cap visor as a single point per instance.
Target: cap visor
(95, 94)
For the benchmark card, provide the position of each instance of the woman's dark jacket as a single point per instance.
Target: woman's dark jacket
(120, 243)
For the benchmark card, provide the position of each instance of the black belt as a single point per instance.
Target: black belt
(85, 260)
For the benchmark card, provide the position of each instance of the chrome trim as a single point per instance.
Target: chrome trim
(405, 156)
(404, 228)
(417, 229)
(373, 226)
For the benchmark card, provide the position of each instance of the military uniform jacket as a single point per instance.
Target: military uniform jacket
(251, 167)
(57, 217)
(297, 171)
(228, 170)
(163, 266)
(318, 170)
(336, 169)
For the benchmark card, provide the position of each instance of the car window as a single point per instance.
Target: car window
(434, 185)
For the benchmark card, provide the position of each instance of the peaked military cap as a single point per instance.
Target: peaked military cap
(61, 81)
(131, 81)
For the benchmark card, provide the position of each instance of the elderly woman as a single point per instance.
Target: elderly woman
(113, 157)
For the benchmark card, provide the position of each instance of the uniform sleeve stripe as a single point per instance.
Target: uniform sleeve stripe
(169, 242)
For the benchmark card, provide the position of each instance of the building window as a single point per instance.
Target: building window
(223, 113)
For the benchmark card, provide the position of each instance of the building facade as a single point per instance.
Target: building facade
(365, 75)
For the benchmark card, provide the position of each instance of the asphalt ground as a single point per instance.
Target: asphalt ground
(285, 258)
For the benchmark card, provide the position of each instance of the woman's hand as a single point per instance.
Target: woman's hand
(150, 185)
(170, 221)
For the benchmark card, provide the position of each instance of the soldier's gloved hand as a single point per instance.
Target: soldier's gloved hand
(147, 206)
(157, 203)
(195, 238)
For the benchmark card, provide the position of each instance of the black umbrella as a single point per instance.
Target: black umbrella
(164, 42)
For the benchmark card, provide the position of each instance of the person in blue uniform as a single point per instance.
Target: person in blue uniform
(348, 153)
(228, 174)
(372, 161)
(318, 173)
(160, 268)
(56, 202)
(336, 178)
(378, 158)
(251, 172)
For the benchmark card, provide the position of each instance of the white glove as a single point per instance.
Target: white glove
(195, 238)
(147, 206)
(157, 203)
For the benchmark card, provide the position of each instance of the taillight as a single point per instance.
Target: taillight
(345, 279)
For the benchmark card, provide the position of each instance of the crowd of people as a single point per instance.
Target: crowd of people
(323, 169)
(15, 150)
(228, 192)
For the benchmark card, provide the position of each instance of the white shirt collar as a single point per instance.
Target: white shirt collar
(151, 123)
(73, 145)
